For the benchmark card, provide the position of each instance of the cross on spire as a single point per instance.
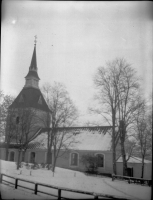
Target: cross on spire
(35, 40)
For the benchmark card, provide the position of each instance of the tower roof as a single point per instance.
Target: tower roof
(33, 66)
(30, 98)
(32, 74)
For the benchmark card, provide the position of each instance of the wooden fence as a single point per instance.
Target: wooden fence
(60, 189)
(133, 179)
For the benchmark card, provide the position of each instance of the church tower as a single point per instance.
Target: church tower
(30, 101)
(31, 96)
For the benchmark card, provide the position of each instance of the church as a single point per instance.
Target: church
(94, 141)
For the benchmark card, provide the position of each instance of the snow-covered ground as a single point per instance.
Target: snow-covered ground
(10, 193)
(73, 180)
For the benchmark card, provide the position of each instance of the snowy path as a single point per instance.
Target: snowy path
(77, 180)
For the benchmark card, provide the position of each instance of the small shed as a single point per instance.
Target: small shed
(135, 167)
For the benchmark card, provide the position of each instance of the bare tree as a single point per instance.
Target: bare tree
(10, 131)
(6, 123)
(143, 130)
(46, 121)
(107, 96)
(5, 102)
(26, 127)
(128, 94)
(130, 148)
(118, 88)
(63, 113)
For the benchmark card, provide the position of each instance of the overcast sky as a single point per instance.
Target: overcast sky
(74, 39)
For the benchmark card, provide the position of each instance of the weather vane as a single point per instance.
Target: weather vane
(35, 39)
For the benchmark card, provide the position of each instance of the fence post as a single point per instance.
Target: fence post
(1, 178)
(59, 194)
(36, 187)
(16, 183)
(149, 183)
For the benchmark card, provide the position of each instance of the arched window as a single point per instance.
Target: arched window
(74, 159)
(32, 157)
(12, 155)
(100, 159)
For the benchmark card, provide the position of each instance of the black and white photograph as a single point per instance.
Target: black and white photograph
(76, 100)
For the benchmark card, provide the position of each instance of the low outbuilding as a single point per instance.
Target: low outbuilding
(135, 167)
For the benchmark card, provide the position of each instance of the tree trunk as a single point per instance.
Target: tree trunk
(122, 139)
(53, 167)
(7, 150)
(18, 161)
(113, 144)
(54, 161)
(114, 156)
(7, 153)
(24, 155)
(124, 159)
(142, 172)
(49, 149)
(49, 158)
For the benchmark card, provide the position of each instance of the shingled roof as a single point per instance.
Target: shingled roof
(30, 98)
(32, 74)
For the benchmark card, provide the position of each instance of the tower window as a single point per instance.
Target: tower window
(17, 120)
(40, 100)
(21, 99)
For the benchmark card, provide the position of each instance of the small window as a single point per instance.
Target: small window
(100, 158)
(74, 159)
(17, 120)
(40, 100)
(21, 99)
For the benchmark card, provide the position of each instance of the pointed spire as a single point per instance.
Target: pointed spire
(32, 78)
(33, 65)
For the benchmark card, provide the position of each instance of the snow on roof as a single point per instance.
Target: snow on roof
(84, 140)
(93, 141)
(134, 159)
